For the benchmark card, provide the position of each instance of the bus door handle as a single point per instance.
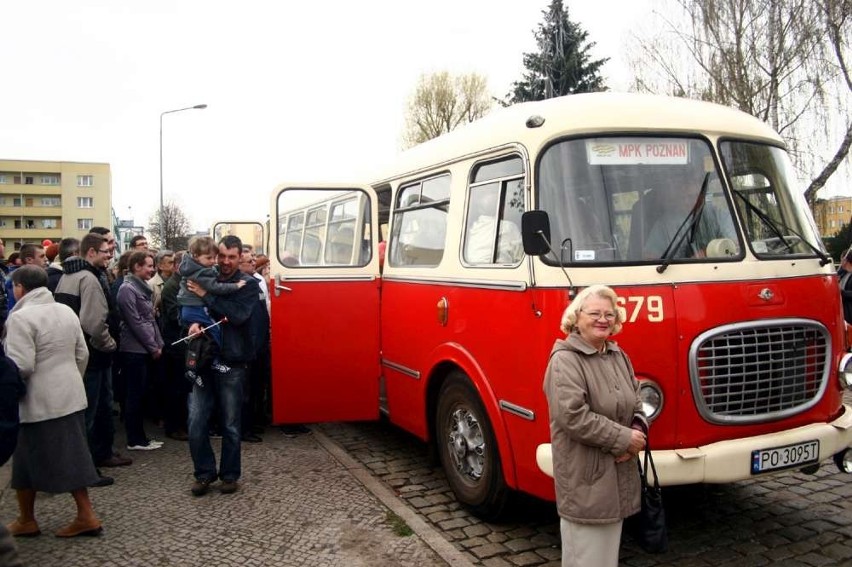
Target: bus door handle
(279, 288)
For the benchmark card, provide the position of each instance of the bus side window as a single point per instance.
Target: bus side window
(420, 223)
(492, 233)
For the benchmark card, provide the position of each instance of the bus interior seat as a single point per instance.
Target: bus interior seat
(340, 246)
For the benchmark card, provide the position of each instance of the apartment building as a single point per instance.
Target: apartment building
(831, 214)
(52, 199)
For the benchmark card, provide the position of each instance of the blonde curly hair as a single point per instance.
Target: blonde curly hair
(569, 316)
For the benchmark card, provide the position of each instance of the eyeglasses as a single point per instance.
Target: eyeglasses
(609, 316)
(104, 251)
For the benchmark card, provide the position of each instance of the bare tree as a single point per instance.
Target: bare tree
(171, 230)
(783, 61)
(442, 102)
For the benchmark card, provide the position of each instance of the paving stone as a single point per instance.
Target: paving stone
(527, 558)
(488, 550)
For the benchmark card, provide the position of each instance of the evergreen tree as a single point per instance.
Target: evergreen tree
(563, 64)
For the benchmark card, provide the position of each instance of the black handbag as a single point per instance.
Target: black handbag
(649, 525)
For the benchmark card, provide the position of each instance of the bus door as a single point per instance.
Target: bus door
(325, 304)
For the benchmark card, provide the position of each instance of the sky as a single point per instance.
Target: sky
(296, 91)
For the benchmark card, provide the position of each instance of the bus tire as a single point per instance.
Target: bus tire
(468, 450)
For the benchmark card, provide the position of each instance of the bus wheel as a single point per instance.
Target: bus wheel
(468, 450)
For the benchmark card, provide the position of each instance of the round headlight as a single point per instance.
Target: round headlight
(843, 460)
(652, 399)
(845, 370)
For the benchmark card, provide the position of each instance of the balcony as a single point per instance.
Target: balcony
(30, 233)
(17, 212)
(23, 189)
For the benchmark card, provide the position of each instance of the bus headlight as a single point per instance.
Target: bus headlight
(845, 370)
(652, 399)
(843, 460)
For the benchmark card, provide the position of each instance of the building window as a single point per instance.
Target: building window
(50, 180)
(832, 224)
(85, 202)
(3, 179)
(17, 202)
(85, 181)
(49, 223)
(839, 208)
(51, 202)
(84, 224)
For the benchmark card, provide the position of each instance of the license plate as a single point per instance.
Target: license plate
(789, 456)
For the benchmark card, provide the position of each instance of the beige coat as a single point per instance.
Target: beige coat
(593, 401)
(45, 340)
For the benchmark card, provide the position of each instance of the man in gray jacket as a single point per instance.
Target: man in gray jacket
(81, 289)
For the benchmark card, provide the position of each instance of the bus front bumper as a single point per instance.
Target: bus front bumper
(731, 460)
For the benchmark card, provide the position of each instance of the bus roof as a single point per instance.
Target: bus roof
(581, 114)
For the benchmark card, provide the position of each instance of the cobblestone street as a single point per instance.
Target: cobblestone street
(297, 506)
(788, 520)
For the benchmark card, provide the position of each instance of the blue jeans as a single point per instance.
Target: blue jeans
(134, 371)
(227, 387)
(99, 426)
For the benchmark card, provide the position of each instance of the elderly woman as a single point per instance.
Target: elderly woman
(140, 340)
(45, 340)
(596, 428)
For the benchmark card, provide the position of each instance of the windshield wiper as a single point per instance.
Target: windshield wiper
(824, 259)
(688, 226)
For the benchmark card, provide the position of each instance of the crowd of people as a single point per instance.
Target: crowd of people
(180, 338)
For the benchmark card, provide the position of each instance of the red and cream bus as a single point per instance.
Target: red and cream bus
(689, 210)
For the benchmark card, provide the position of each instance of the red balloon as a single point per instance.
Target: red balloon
(46, 242)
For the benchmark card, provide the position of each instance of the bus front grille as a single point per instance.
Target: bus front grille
(760, 370)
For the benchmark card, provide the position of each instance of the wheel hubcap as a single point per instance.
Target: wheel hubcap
(466, 443)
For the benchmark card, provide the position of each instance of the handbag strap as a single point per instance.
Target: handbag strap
(649, 459)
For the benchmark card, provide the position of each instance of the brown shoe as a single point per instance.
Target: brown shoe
(80, 527)
(228, 487)
(177, 436)
(23, 529)
(200, 487)
(115, 461)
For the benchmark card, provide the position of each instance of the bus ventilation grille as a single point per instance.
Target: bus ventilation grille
(757, 372)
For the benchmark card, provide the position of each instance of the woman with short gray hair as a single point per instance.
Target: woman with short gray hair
(597, 429)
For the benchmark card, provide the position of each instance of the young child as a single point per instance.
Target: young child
(198, 266)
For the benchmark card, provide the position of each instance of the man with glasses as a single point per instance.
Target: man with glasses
(139, 242)
(82, 289)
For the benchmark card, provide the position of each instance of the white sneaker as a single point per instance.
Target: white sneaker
(149, 447)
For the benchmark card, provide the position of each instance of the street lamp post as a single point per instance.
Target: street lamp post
(162, 209)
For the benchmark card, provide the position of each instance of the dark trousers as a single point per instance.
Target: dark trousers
(99, 426)
(177, 389)
(256, 392)
(134, 372)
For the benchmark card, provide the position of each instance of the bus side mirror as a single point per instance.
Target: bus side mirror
(535, 230)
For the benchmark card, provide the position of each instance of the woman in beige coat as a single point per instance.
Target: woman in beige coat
(597, 429)
(45, 340)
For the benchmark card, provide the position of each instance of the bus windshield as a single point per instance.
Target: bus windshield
(773, 213)
(635, 200)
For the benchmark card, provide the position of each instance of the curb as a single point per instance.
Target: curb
(424, 531)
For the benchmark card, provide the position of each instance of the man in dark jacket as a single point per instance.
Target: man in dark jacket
(177, 389)
(844, 273)
(224, 386)
(67, 247)
(82, 289)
